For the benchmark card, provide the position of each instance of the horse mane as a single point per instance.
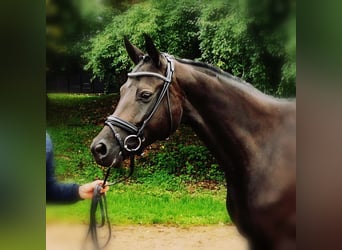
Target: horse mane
(225, 76)
(211, 69)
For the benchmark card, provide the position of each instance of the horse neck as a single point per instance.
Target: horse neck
(228, 116)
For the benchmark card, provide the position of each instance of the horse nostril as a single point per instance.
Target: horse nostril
(101, 149)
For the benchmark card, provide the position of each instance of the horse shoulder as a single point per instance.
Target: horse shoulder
(272, 181)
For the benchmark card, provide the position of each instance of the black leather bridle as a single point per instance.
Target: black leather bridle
(136, 134)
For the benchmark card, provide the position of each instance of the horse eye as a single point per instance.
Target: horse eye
(145, 95)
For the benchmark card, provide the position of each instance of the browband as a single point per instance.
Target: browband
(146, 73)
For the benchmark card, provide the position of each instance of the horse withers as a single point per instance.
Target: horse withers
(252, 135)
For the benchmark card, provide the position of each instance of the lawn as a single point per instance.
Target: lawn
(155, 194)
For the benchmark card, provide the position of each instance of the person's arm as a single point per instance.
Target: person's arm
(64, 192)
(58, 192)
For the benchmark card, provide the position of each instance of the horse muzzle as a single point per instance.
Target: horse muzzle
(105, 150)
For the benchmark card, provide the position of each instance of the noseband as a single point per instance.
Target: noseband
(137, 133)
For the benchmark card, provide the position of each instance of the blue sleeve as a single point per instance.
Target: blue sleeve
(57, 192)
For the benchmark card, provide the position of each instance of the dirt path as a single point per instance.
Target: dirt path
(71, 236)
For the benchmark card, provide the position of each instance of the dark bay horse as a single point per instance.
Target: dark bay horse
(252, 136)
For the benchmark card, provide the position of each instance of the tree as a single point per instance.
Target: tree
(250, 40)
(68, 23)
(226, 42)
(273, 26)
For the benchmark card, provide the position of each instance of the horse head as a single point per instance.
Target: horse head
(149, 109)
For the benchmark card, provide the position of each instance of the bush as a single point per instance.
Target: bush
(193, 163)
(227, 43)
(239, 38)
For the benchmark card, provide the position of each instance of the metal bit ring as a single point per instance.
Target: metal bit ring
(132, 138)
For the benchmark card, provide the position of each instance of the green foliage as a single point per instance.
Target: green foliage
(273, 27)
(286, 86)
(178, 22)
(68, 24)
(251, 40)
(174, 162)
(226, 42)
(105, 54)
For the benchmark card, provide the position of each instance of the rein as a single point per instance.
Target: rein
(99, 200)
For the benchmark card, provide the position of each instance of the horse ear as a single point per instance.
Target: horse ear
(152, 50)
(134, 53)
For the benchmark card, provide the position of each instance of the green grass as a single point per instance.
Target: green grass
(78, 109)
(138, 204)
(152, 196)
(73, 159)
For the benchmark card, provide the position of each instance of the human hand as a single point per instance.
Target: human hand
(86, 191)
